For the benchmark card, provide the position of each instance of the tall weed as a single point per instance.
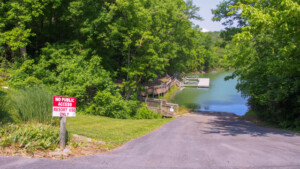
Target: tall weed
(33, 104)
(4, 115)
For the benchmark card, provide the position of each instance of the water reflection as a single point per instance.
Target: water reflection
(221, 96)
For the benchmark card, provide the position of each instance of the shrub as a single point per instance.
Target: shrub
(106, 104)
(114, 106)
(29, 136)
(144, 113)
(33, 104)
(297, 124)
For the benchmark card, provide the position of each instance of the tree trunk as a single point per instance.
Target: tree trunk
(131, 89)
(23, 52)
(128, 64)
(129, 94)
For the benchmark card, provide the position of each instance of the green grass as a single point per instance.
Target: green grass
(115, 132)
(170, 93)
(32, 104)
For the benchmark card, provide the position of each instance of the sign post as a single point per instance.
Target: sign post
(62, 141)
(63, 107)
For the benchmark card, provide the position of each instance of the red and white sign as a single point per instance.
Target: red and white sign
(64, 106)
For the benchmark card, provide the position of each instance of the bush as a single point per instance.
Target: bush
(29, 136)
(114, 106)
(105, 104)
(144, 113)
(33, 104)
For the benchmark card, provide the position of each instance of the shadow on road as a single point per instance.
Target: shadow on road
(228, 124)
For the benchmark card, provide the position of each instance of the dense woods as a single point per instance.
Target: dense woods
(102, 52)
(263, 40)
(82, 48)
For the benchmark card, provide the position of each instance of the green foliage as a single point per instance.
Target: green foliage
(76, 47)
(266, 59)
(68, 69)
(136, 40)
(23, 22)
(170, 93)
(29, 136)
(144, 113)
(32, 105)
(109, 105)
(3, 71)
(230, 16)
(4, 115)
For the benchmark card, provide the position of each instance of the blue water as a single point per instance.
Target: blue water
(222, 96)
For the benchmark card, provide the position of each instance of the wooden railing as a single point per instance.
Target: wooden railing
(161, 89)
(161, 106)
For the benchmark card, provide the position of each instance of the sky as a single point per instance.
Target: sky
(205, 12)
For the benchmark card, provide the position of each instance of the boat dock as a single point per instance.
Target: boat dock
(197, 82)
(203, 82)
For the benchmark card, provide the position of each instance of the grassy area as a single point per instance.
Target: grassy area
(184, 110)
(115, 132)
(170, 93)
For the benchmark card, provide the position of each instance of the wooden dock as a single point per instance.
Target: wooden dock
(166, 86)
(161, 89)
(202, 83)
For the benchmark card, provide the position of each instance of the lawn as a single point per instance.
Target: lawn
(115, 132)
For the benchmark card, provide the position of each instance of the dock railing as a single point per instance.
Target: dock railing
(161, 106)
(163, 88)
(166, 86)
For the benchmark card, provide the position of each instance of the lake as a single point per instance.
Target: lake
(222, 96)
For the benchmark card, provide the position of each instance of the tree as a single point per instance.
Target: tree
(20, 24)
(267, 60)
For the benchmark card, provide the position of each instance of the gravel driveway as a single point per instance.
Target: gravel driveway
(201, 140)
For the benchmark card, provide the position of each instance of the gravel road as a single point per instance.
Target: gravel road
(205, 140)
